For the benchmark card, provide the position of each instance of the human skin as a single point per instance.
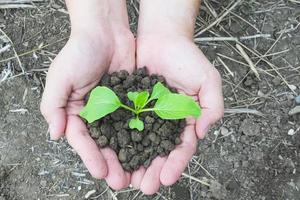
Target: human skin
(100, 42)
(165, 45)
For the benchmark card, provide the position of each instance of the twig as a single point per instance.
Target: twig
(220, 18)
(13, 6)
(216, 39)
(249, 61)
(226, 67)
(243, 110)
(195, 179)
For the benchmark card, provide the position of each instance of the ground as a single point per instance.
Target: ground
(252, 153)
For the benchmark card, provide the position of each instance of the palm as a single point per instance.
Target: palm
(185, 68)
(74, 72)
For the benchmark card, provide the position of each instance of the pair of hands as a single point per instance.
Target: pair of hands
(79, 67)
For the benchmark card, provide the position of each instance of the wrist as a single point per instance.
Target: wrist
(88, 16)
(168, 18)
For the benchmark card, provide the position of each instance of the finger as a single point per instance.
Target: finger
(53, 104)
(137, 177)
(151, 182)
(116, 177)
(79, 138)
(179, 157)
(212, 103)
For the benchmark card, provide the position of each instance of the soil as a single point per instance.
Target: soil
(135, 148)
(235, 161)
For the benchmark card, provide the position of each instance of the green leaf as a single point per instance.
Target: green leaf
(136, 123)
(158, 91)
(141, 99)
(102, 101)
(132, 96)
(176, 106)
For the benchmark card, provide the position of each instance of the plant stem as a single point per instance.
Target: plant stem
(146, 110)
(128, 108)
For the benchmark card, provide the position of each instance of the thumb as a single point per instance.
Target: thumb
(54, 101)
(212, 103)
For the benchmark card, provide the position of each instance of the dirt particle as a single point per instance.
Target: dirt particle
(276, 81)
(102, 141)
(114, 80)
(136, 136)
(249, 127)
(218, 191)
(135, 148)
(123, 155)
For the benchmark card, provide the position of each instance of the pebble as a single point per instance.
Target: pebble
(122, 155)
(89, 193)
(102, 141)
(249, 127)
(297, 100)
(291, 132)
(292, 87)
(295, 110)
(224, 131)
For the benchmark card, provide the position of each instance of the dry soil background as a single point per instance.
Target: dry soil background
(253, 153)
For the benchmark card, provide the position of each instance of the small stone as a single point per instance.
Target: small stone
(142, 71)
(95, 132)
(167, 145)
(292, 87)
(146, 82)
(149, 120)
(152, 137)
(114, 80)
(122, 74)
(146, 141)
(177, 140)
(140, 147)
(102, 141)
(136, 136)
(291, 132)
(224, 131)
(297, 100)
(123, 155)
(105, 80)
(123, 138)
(134, 162)
(249, 127)
(294, 111)
(129, 81)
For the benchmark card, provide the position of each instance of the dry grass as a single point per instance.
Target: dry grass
(211, 33)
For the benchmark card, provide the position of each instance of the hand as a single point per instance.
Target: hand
(184, 66)
(74, 72)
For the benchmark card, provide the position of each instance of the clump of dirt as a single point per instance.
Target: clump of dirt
(135, 148)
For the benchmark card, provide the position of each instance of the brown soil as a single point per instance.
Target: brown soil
(135, 148)
(237, 162)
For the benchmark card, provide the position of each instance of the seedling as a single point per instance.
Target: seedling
(168, 105)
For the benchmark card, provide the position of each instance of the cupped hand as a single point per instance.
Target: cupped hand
(73, 73)
(185, 67)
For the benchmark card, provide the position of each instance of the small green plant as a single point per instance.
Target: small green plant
(103, 101)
